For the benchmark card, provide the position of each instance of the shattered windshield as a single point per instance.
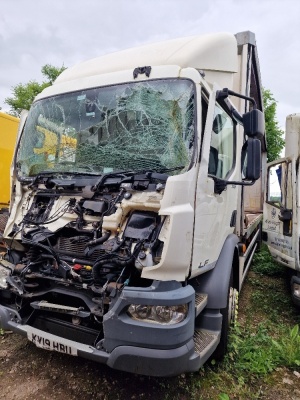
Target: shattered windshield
(134, 126)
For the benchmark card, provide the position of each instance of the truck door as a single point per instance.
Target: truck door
(215, 212)
(279, 215)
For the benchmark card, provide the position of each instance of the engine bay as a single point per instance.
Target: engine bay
(83, 239)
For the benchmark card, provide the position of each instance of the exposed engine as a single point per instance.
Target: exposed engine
(82, 240)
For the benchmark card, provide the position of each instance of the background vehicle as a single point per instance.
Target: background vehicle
(132, 225)
(281, 208)
(8, 133)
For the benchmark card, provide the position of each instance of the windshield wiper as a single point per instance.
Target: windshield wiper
(129, 175)
(32, 180)
(47, 173)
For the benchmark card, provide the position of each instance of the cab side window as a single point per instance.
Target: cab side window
(280, 193)
(280, 185)
(222, 145)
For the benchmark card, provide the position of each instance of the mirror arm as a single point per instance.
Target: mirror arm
(242, 183)
(220, 184)
(224, 93)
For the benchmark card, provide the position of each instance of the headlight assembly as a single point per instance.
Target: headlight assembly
(166, 315)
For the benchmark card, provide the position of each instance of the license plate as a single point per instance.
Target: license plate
(47, 343)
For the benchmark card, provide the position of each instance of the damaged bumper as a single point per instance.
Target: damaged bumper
(128, 344)
(145, 361)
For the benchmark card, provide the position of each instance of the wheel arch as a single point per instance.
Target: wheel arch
(215, 282)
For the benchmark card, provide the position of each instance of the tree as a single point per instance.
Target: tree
(51, 72)
(24, 94)
(274, 135)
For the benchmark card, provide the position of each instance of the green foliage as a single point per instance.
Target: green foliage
(259, 354)
(252, 353)
(288, 348)
(51, 72)
(224, 396)
(24, 94)
(264, 295)
(268, 296)
(264, 264)
(274, 135)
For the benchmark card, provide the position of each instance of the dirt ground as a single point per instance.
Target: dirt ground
(27, 372)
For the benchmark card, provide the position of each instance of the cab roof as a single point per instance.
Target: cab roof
(214, 52)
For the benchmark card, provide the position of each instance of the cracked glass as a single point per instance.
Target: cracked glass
(135, 126)
(222, 145)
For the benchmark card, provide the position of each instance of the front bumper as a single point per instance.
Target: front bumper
(128, 344)
(144, 361)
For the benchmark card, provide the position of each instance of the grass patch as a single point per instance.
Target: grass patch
(265, 341)
(264, 264)
(270, 292)
(259, 353)
(271, 298)
(288, 348)
(252, 353)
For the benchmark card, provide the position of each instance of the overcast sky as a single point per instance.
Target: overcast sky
(38, 32)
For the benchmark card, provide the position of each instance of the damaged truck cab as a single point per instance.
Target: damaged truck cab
(131, 224)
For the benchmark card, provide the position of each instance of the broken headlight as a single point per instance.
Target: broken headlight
(158, 314)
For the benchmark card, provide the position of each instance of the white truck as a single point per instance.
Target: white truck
(136, 205)
(281, 208)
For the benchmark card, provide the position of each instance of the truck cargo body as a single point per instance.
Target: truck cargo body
(132, 227)
(8, 134)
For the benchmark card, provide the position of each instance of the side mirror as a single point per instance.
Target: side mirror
(254, 124)
(252, 159)
(251, 166)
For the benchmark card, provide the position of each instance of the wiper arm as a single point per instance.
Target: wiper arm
(161, 170)
(46, 173)
(159, 174)
(128, 175)
(103, 177)
(32, 180)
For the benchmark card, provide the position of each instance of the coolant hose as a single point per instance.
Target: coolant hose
(100, 240)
